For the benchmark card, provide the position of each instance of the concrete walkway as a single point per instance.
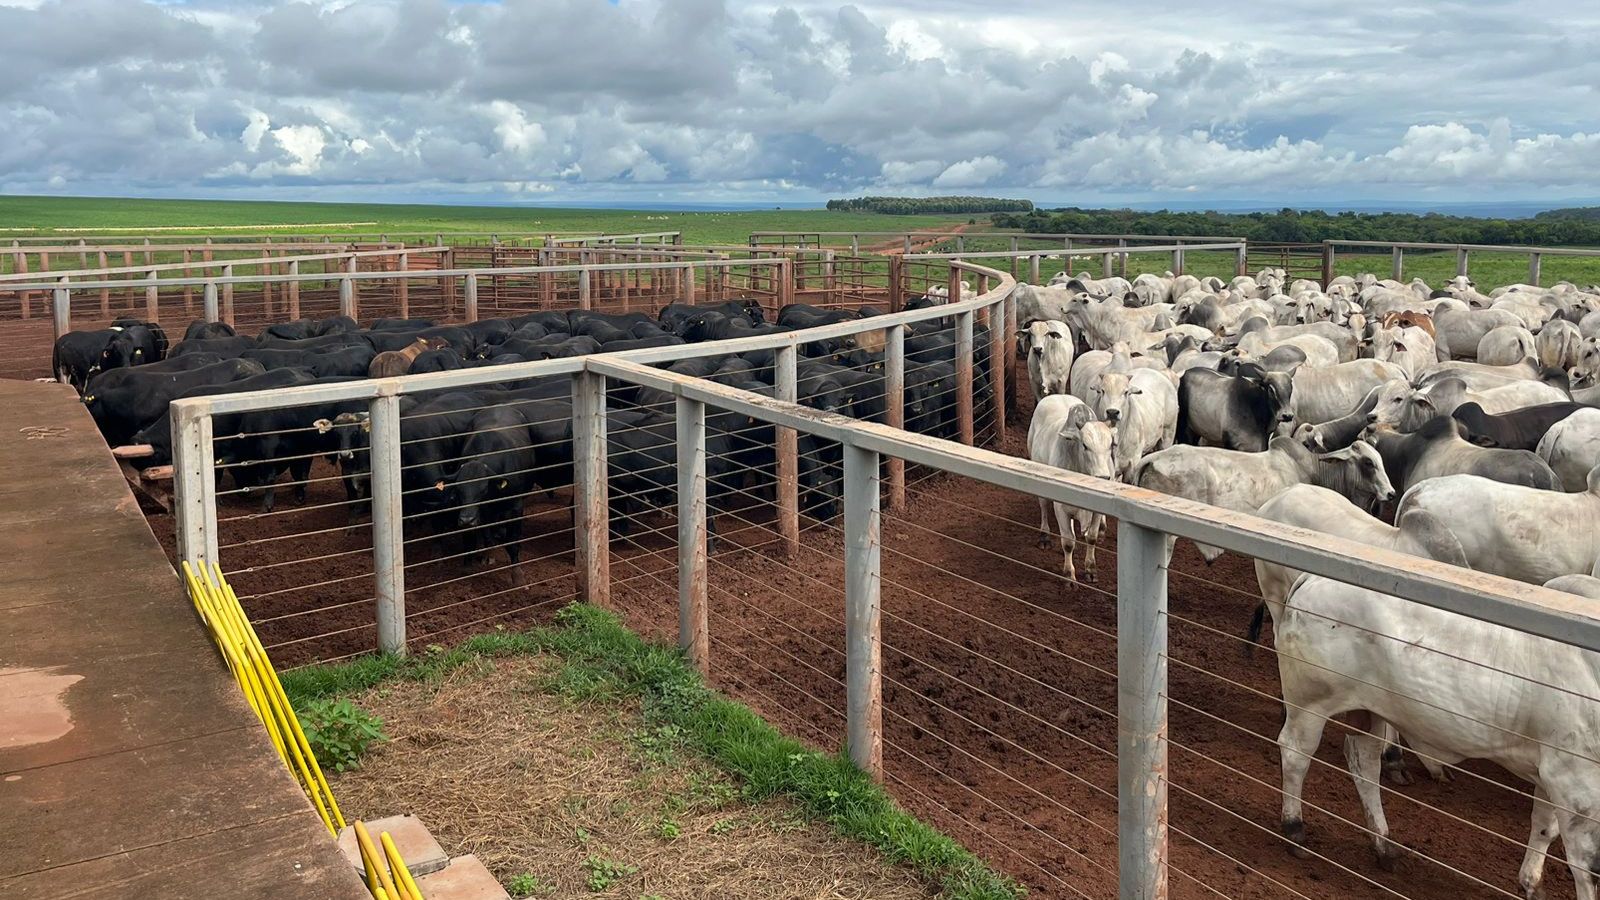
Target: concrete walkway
(130, 765)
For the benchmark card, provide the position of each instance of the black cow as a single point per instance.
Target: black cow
(496, 475)
(930, 399)
(201, 330)
(294, 330)
(432, 433)
(1520, 429)
(138, 399)
(78, 354)
(337, 360)
(225, 428)
(226, 347)
(401, 324)
(444, 360)
(1238, 412)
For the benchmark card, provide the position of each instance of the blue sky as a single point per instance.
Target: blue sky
(700, 100)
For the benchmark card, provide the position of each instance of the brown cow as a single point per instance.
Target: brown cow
(391, 363)
(1410, 319)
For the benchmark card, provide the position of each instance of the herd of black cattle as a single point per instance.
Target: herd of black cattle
(471, 456)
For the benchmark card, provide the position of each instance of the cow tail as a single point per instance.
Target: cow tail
(1253, 635)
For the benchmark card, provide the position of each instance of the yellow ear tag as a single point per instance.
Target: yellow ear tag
(504, 483)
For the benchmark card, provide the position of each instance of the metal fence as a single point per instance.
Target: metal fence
(866, 585)
(1463, 254)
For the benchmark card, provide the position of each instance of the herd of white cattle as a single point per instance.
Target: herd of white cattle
(1313, 405)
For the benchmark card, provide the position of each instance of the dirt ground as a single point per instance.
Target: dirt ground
(584, 800)
(999, 689)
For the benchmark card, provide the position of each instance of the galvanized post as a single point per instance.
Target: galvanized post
(591, 515)
(61, 309)
(227, 295)
(863, 643)
(694, 630)
(1397, 262)
(1461, 260)
(1177, 261)
(1105, 265)
(1533, 268)
(388, 531)
(998, 389)
(105, 293)
(472, 298)
(1328, 259)
(1141, 712)
(1241, 261)
(402, 290)
(786, 384)
(209, 304)
(964, 375)
(894, 397)
(1033, 269)
(194, 483)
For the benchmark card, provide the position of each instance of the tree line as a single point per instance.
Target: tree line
(906, 206)
(1551, 229)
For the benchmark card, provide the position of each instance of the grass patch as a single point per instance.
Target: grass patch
(602, 661)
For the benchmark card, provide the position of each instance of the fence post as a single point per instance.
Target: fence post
(1105, 265)
(403, 292)
(855, 245)
(786, 383)
(1141, 712)
(591, 515)
(105, 292)
(863, 647)
(61, 309)
(998, 383)
(908, 244)
(1177, 261)
(1533, 268)
(350, 284)
(688, 282)
(1327, 263)
(894, 396)
(188, 290)
(388, 523)
(1397, 264)
(152, 297)
(1033, 269)
(964, 375)
(1241, 261)
(294, 289)
(209, 301)
(194, 482)
(227, 296)
(694, 634)
(472, 298)
(584, 299)
(20, 266)
(347, 296)
(1461, 260)
(896, 283)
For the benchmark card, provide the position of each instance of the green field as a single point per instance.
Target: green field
(28, 216)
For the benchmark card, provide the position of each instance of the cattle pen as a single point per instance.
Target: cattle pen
(871, 586)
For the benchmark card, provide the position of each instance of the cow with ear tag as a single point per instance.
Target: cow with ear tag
(350, 433)
(496, 474)
(1048, 346)
(1065, 434)
(1142, 407)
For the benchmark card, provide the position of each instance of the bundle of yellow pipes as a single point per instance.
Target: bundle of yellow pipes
(218, 606)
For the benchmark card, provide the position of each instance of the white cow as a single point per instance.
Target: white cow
(1457, 688)
(1505, 345)
(1064, 434)
(1411, 348)
(1582, 585)
(1514, 531)
(1322, 395)
(1240, 481)
(1556, 345)
(1572, 448)
(1048, 348)
(1087, 367)
(1142, 405)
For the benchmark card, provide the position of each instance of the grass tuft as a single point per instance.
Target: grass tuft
(605, 660)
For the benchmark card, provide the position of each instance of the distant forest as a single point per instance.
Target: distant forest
(907, 206)
(1553, 228)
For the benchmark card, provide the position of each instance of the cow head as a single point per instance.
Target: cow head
(1111, 395)
(1405, 408)
(1357, 472)
(1277, 388)
(1091, 446)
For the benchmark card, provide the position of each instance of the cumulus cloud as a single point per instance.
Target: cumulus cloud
(586, 99)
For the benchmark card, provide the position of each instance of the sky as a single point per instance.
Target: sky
(1086, 102)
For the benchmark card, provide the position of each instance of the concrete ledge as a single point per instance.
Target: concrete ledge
(417, 847)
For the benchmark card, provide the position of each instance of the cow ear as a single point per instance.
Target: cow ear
(323, 426)
(1399, 347)
(366, 424)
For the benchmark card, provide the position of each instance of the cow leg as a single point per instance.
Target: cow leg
(1068, 540)
(1363, 756)
(1044, 524)
(300, 473)
(1543, 830)
(1394, 763)
(1209, 553)
(1091, 539)
(1578, 834)
(1297, 742)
